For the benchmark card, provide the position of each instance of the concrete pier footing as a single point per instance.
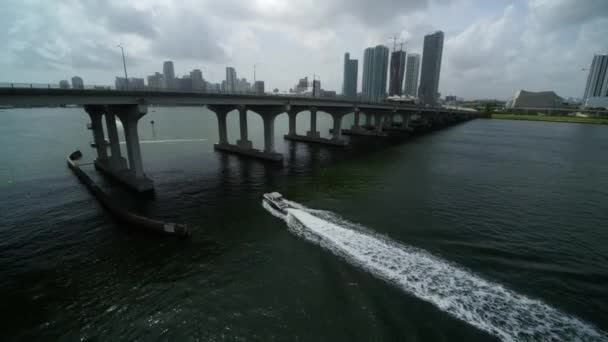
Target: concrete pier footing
(315, 140)
(249, 152)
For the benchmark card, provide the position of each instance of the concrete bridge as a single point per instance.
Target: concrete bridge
(130, 106)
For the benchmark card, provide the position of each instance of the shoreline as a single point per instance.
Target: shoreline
(549, 118)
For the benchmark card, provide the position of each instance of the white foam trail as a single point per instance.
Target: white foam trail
(488, 306)
(166, 141)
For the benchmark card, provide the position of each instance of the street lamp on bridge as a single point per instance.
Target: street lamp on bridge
(124, 64)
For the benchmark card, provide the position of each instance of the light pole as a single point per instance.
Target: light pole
(124, 64)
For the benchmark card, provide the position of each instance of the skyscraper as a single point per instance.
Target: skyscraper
(431, 67)
(411, 74)
(231, 80)
(156, 81)
(375, 67)
(395, 83)
(349, 83)
(597, 81)
(258, 87)
(197, 79)
(169, 75)
(77, 83)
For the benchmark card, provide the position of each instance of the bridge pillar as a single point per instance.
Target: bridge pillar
(357, 117)
(313, 133)
(292, 122)
(378, 122)
(116, 161)
(134, 175)
(269, 133)
(221, 112)
(95, 113)
(244, 142)
(368, 119)
(337, 131)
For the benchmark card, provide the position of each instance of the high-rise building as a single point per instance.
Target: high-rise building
(395, 83)
(258, 87)
(231, 80)
(316, 88)
(349, 83)
(169, 75)
(156, 81)
(596, 91)
(77, 83)
(132, 83)
(64, 84)
(197, 79)
(244, 86)
(431, 68)
(411, 74)
(375, 67)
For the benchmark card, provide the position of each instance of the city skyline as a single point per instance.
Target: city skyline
(534, 44)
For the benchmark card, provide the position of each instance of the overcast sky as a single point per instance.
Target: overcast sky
(491, 49)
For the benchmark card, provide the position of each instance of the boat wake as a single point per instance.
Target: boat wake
(488, 306)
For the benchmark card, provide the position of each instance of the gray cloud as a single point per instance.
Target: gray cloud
(559, 14)
(490, 53)
(117, 17)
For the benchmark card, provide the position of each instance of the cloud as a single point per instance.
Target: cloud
(491, 49)
(560, 14)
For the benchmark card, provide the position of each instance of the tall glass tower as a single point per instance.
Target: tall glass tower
(431, 68)
(375, 68)
(349, 83)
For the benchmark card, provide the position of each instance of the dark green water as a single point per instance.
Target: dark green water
(483, 231)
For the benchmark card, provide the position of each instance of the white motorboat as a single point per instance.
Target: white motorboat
(276, 200)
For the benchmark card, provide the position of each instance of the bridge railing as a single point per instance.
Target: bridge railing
(68, 87)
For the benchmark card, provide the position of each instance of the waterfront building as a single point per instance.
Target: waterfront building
(156, 81)
(258, 87)
(231, 80)
(349, 82)
(375, 68)
(169, 75)
(77, 83)
(540, 100)
(197, 79)
(397, 71)
(411, 74)
(596, 91)
(431, 68)
(133, 83)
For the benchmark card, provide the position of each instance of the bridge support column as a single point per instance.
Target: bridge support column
(292, 122)
(244, 142)
(337, 131)
(368, 120)
(221, 114)
(116, 161)
(95, 113)
(357, 118)
(269, 133)
(378, 123)
(134, 175)
(313, 133)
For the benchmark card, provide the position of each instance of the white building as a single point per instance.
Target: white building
(596, 91)
(530, 99)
